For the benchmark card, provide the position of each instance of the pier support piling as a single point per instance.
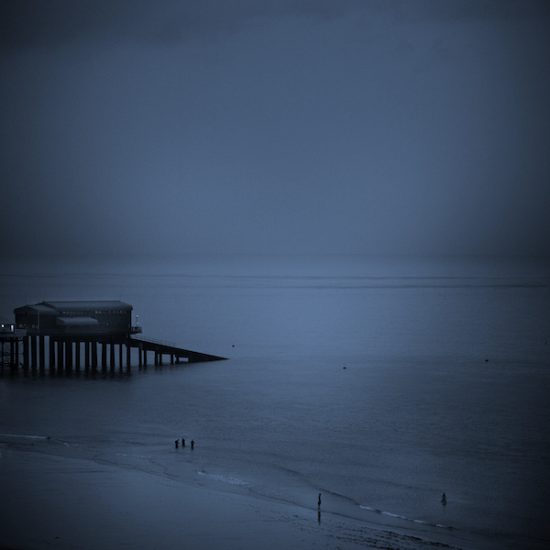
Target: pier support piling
(25, 352)
(87, 355)
(68, 354)
(94, 356)
(103, 356)
(77, 355)
(41, 352)
(112, 356)
(34, 345)
(51, 346)
(60, 355)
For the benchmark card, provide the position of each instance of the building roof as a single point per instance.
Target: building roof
(39, 308)
(78, 305)
(76, 321)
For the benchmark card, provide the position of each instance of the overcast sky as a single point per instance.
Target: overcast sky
(263, 126)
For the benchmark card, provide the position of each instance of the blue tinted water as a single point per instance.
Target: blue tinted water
(366, 380)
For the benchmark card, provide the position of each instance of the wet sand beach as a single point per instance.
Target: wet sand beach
(56, 501)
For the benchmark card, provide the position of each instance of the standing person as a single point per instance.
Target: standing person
(444, 499)
(176, 443)
(182, 442)
(192, 444)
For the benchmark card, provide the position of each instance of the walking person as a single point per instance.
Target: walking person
(177, 443)
(319, 508)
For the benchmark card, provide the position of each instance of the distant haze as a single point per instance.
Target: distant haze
(364, 127)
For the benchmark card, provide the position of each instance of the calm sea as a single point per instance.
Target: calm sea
(380, 383)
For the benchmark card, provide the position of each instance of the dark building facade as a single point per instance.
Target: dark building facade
(107, 318)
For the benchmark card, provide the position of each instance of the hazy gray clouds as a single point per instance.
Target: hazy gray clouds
(300, 127)
(35, 23)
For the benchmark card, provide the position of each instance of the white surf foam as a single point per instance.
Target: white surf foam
(224, 478)
(26, 436)
(404, 518)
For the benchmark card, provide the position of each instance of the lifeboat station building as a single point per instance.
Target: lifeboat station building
(106, 318)
(74, 333)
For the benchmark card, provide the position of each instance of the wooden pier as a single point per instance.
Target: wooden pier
(84, 336)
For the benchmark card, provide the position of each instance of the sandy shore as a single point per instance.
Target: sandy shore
(53, 501)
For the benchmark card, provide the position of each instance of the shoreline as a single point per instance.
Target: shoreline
(56, 500)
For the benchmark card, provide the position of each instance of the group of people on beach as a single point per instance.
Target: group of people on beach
(177, 443)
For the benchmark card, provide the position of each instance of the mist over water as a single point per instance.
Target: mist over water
(381, 383)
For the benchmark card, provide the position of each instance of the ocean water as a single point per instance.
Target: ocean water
(380, 383)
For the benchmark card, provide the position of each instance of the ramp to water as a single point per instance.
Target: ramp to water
(174, 351)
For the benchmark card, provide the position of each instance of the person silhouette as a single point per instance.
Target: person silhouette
(177, 443)
(444, 499)
(192, 444)
(319, 501)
